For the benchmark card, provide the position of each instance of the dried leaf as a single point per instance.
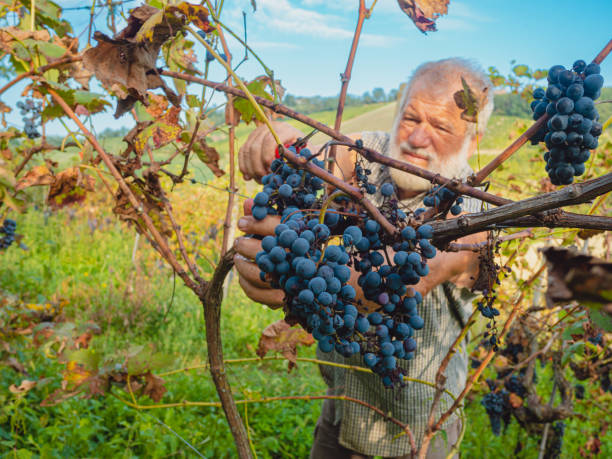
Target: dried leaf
(589, 233)
(37, 176)
(197, 14)
(208, 155)
(424, 12)
(162, 132)
(515, 400)
(154, 387)
(16, 365)
(281, 337)
(466, 100)
(126, 64)
(25, 386)
(157, 105)
(69, 186)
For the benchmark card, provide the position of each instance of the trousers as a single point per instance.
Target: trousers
(326, 443)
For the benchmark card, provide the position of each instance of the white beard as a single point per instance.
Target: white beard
(451, 167)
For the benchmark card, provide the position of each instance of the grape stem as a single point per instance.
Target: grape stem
(346, 76)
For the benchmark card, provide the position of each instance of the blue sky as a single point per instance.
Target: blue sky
(306, 42)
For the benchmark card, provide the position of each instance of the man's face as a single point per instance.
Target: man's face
(430, 135)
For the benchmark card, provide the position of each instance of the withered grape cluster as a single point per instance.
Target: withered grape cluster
(573, 127)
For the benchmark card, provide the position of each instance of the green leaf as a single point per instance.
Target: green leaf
(244, 107)
(193, 101)
(521, 70)
(89, 358)
(601, 319)
(574, 349)
(48, 49)
(574, 329)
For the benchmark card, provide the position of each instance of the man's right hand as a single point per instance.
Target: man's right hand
(259, 150)
(247, 248)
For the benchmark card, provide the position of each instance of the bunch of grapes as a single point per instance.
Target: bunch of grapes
(497, 406)
(440, 196)
(32, 121)
(310, 255)
(8, 230)
(556, 443)
(573, 127)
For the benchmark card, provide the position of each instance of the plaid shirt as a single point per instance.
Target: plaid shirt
(445, 310)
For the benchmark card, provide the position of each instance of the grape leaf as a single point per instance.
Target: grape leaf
(281, 337)
(466, 100)
(246, 110)
(424, 12)
(108, 61)
(161, 132)
(37, 176)
(208, 155)
(69, 187)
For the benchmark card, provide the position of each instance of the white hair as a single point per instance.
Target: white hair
(441, 73)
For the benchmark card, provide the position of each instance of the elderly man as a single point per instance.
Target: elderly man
(429, 132)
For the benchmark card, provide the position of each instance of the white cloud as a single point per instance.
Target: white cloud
(283, 16)
(272, 45)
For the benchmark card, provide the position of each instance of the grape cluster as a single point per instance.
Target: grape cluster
(497, 406)
(31, 122)
(556, 442)
(440, 196)
(310, 258)
(573, 128)
(8, 230)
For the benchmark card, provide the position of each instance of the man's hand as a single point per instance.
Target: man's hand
(259, 150)
(247, 248)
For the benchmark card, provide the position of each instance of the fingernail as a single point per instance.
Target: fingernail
(243, 223)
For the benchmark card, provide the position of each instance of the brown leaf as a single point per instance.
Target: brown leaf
(546, 185)
(127, 63)
(515, 400)
(37, 176)
(593, 445)
(157, 105)
(25, 386)
(467, 101)
(208, 155)
(16, 365)
(281, 337)
(197, 14)
(588, 233)
(154, 387)
(81, 110)
(424, 12)
(70, 186)
(163, 131)
(82, 341)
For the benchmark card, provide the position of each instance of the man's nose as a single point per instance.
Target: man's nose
(419, 137)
